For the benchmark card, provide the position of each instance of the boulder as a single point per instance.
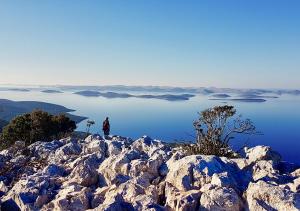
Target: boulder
(241, 163)
(265, 196)
(33, 192)
(85, 170)
(149, 146)
(54, 170)
(262, 153)
(91, 138)
(223, 180)
(296, 173)
(3, 188)
(220, 199)
(96, 146)
(99, 196)
(264, 169)
(116, 145)
(115, 203)
(294, 185)
(71, 197)
(117, 165)
(118, 174)
(192, 172)
(181, 200)
(42, 150)
(67, 152)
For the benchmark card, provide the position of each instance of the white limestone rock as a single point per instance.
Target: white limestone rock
(262, 153)
(266, 196)
(194, 171)
(220, 199)
(71, 197)
(85, 170)
(181, 200)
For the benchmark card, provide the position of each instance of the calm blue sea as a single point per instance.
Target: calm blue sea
(278, 119)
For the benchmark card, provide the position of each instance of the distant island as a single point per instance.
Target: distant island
(51, 91)
(190, 90)
(221, 95)
(246, 100)
(10, 109)
(119, 89)
(19, 90)
(169, 97)
(252, 96)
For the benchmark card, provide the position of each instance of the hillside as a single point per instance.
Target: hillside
(9, 109)
(146, 174)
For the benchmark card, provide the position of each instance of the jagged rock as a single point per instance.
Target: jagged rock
(293, 186)
(117, 164)
(91, 138)
(71, 197)
(192, 172)
(3, 187)
(150, 147)
(118, 174)
(99, 196)
(128, 190)
(42, 150)
(68, 151)
(266, 196)
(296, 173)
(264, 170)
(220, 199)
(85, 170)
(262, 153)
(115, 203)
(178, 200)
(223, 180)
(97, 146)
(26, 192)
(241, 163)
(116, 145)
(54, 170)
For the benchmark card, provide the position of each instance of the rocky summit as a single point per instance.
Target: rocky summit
(121, 174)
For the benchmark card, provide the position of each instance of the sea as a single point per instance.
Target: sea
(278, 119)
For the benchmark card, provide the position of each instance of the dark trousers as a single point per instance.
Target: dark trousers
(106, 132)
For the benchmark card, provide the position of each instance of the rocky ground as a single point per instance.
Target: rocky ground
(121, 174)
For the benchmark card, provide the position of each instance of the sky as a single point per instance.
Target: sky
(237, 44)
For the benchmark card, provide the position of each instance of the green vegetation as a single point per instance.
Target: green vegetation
(214, 130)
(10, 109)
(2, 124)
(36, 126)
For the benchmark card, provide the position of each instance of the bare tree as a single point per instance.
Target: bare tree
(214, 131)
(89, 123)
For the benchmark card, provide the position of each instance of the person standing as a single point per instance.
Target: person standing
(106, 127)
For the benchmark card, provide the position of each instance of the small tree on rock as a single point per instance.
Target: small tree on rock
(214, 132)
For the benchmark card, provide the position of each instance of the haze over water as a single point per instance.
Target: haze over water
(278, 119)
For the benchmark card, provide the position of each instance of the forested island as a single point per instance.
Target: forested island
(10, 109)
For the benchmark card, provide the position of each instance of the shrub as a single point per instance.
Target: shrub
(36, 126)
(214, 131)
(2, 124)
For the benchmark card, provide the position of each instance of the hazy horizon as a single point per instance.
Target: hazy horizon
(138, 85)
(252, 44)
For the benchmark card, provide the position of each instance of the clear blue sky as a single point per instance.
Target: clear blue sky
(250, 44)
